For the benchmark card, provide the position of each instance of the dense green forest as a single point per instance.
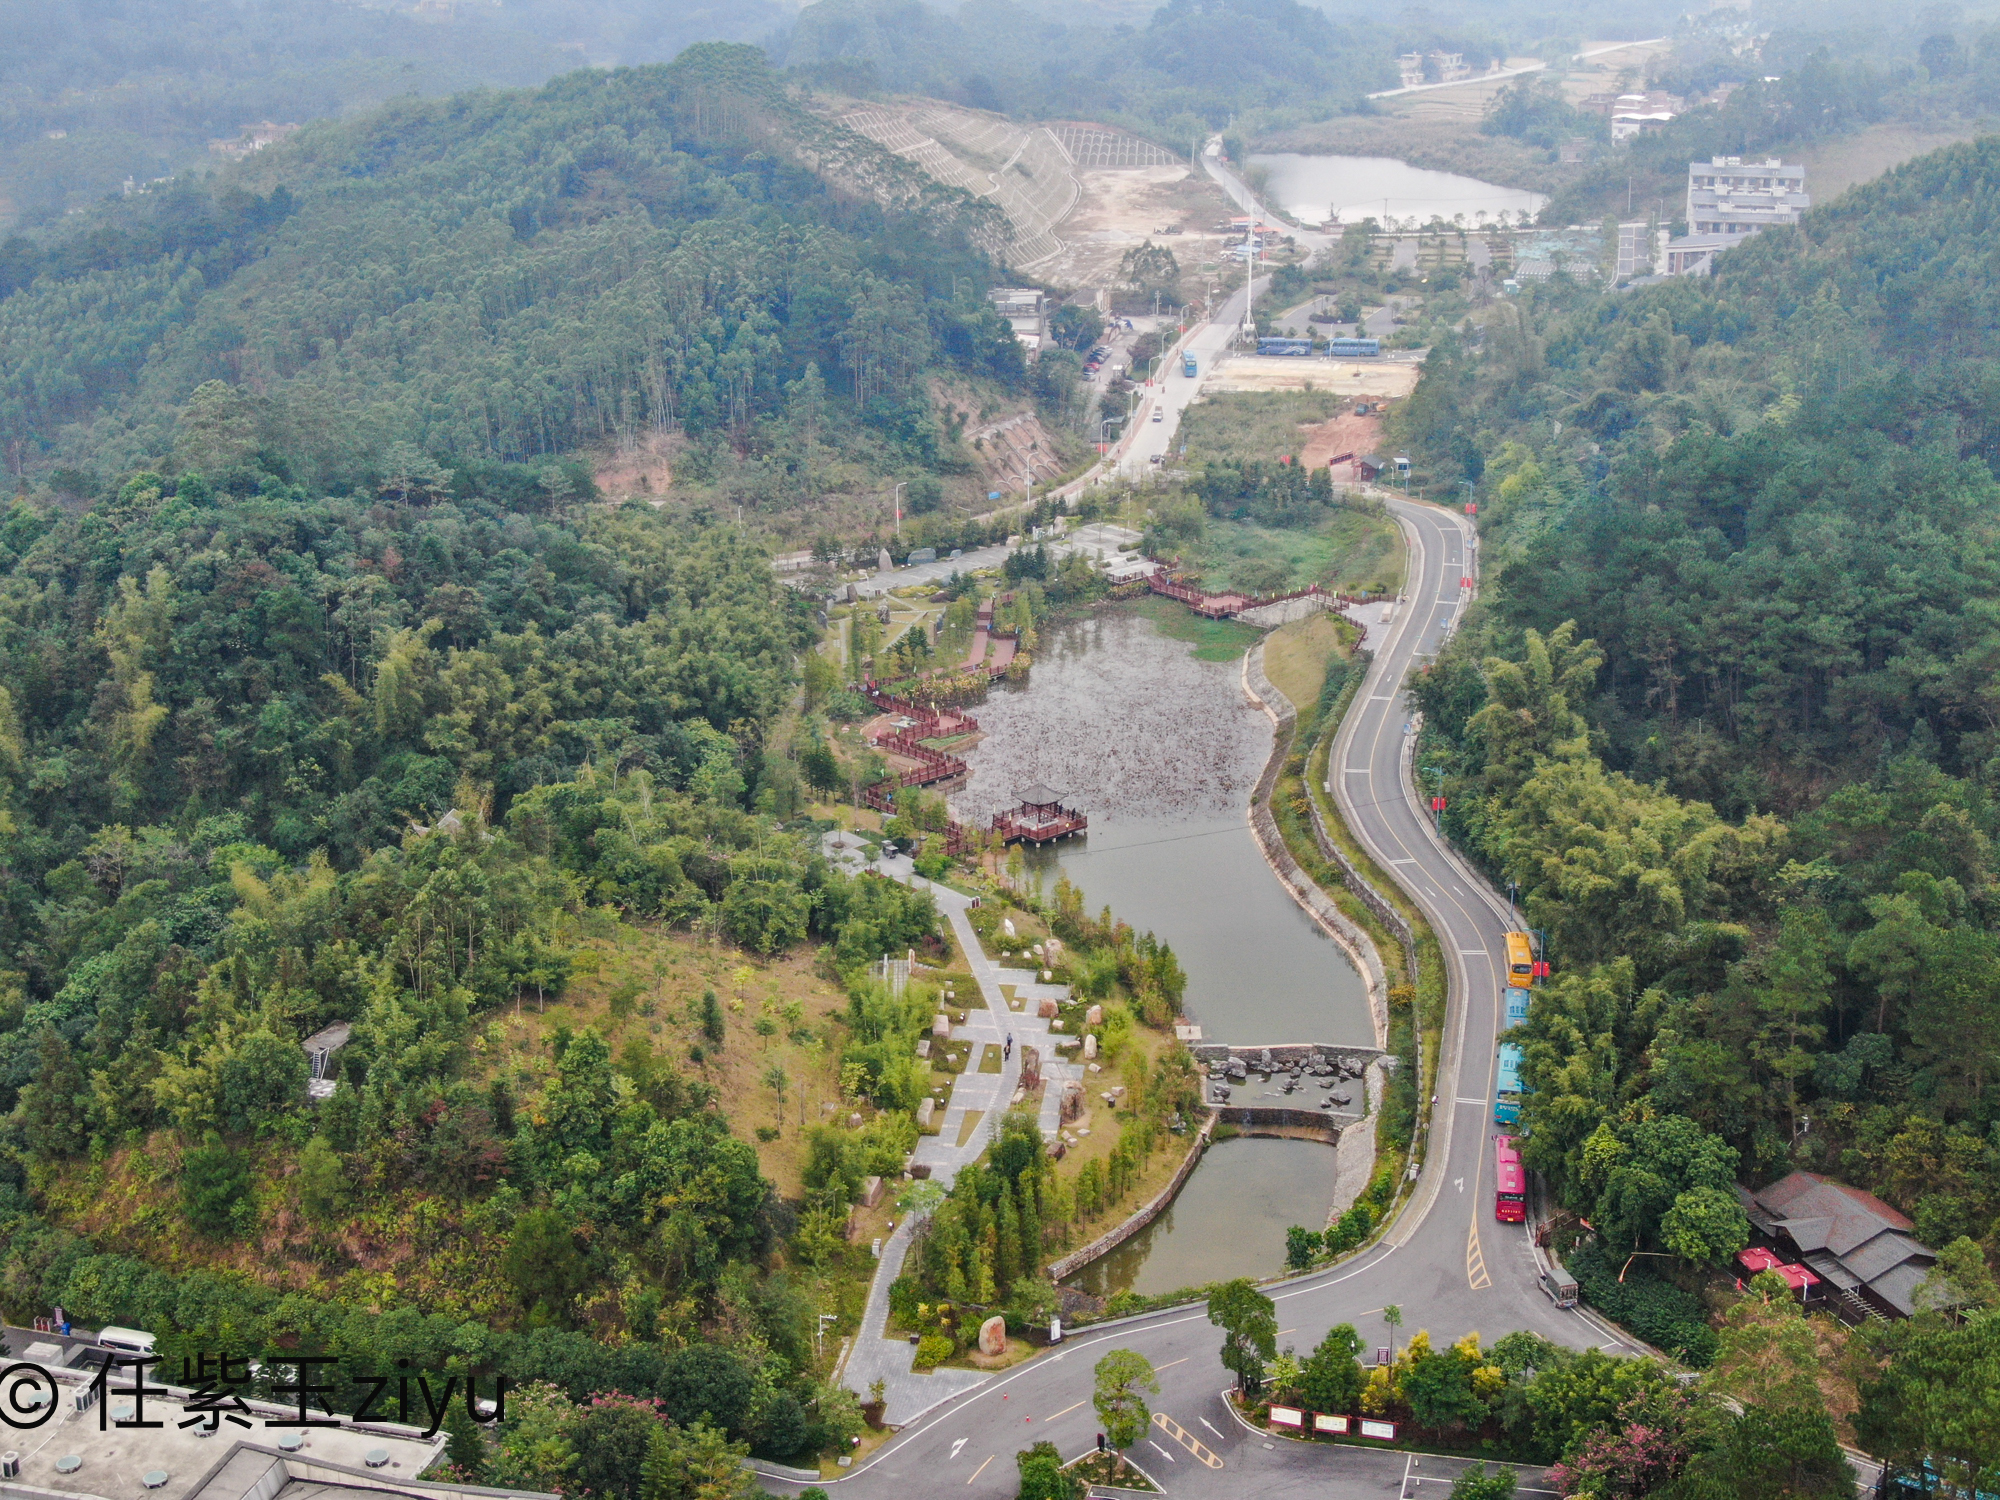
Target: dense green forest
(94, 91)
(1725, 717)
(505, 277)
(273, 761)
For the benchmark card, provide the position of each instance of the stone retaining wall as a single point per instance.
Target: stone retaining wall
(1332, 920)
(1364, 888)
(1253, 1119)
(1119, 1234)
(1285, 1054)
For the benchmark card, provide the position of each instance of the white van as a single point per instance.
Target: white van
(1159, 413)
(126, 1341)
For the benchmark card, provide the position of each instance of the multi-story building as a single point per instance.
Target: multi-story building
(1730, 199)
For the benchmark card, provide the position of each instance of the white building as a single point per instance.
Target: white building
(1730, 199)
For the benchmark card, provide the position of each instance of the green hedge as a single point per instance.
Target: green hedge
(1657, 1311)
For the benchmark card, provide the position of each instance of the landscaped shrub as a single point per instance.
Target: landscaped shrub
(934, 1349)
(1657, 1311)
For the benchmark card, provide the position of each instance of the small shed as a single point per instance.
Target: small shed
(1370, 466)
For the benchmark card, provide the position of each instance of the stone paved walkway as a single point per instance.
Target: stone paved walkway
(872, 1356)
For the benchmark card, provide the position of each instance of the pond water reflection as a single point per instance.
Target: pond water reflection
(1162, 751)
(1229, 1220)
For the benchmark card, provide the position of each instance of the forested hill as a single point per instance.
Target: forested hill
(1728, 716)
(507, 276)
(1772, 501)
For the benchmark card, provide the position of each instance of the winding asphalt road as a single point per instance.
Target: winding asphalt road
(1445, 1261)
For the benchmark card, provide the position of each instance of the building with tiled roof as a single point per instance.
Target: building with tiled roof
(1862, 1248)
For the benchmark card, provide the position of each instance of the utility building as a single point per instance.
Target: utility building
(1730, 199)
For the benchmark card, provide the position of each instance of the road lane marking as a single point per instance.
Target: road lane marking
(1468, 1101)
(1161, 1451)
(958, 1445)
(1063, 1413)
(1158, 1368)
(1475, 1261)
(1473, 953)
(981, 1469)
(1211, 1427)
(1187, 1439)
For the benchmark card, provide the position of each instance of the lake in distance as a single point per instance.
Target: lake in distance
(1348, 189)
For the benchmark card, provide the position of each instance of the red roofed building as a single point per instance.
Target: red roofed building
(1856, 1244)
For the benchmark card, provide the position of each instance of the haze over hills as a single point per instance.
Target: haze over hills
(465, 904)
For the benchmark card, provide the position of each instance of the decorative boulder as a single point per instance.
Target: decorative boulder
(1052, 949)
(1090, 1046)
(1094, 1016)
(1072, 1100)
(1046, 1009)
(940, 1025)
(925, 1109)
(993, 1335)
(1007, 926)
(871, 1192)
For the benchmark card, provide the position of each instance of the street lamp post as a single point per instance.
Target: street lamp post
(898, 502)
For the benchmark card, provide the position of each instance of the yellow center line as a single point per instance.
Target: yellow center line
(1163, 1367)
(981, 1469)
(1063, 1413)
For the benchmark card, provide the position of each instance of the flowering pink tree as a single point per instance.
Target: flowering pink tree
(1644, 1448)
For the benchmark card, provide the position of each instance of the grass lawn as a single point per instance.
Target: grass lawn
(1348, 550)
(1296, 655)
(1260, 425)
(1213, 640)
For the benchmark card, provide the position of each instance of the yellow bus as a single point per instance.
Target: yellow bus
(1520, 960)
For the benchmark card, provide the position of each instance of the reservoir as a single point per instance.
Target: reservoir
(1348, 189)
(1256, 1186)
(1162, 751)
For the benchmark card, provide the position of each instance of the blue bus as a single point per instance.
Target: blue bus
(1188, 365)
(1354, 348)
(1295, 347)
(1516, 1001)
(1507, 1101)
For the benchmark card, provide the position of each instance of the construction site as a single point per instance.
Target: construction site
(1077, 196)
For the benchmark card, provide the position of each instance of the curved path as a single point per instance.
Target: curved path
(1445, 1261)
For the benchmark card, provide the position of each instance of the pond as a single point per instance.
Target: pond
(1162, 751)
(1229, 1220)
(1348, 189)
